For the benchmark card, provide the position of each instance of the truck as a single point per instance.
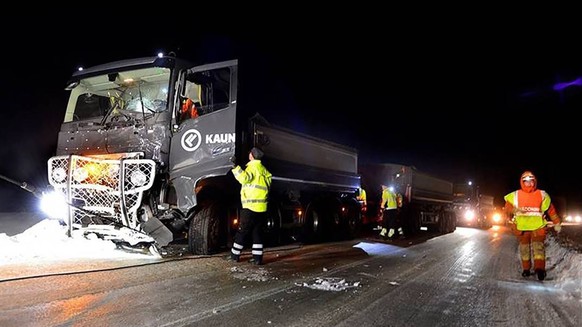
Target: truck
(427, 199)
(473, 208)
(145, 153)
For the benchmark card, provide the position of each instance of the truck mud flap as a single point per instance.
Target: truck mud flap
(154, 228)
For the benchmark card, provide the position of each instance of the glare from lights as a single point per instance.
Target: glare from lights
(561, 86)
(54, 205)
(160, 54)
(80, 69)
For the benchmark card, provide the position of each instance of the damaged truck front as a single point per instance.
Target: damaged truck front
(145, 151)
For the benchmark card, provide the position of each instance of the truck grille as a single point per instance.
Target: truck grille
(100, 188)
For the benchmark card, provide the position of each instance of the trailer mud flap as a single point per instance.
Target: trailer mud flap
(154, 228)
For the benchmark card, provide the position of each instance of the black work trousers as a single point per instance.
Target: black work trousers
(389, 218)
(251, 223)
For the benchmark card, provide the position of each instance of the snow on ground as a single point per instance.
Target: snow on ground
(47, 241)
(566, 268)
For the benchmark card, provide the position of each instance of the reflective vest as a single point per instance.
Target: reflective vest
(362, 195)
(388, 200)
(529, 208)
(255, 182)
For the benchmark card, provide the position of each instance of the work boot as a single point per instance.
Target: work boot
(231, 258)
(256, 262)
(383, 232)
(526, 273)
(541, 274)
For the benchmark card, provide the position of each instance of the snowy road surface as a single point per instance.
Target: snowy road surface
(468, 278)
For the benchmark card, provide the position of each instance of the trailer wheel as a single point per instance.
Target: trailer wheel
(205, 235)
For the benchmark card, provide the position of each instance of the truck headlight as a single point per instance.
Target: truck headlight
(59, 175)
(469, 215)
(53, 204)
(138, 178)
(80, 174)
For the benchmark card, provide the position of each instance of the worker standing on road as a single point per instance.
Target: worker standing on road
(256, 182)
(398, 219)
(528, 206)
(362, 198)
(388, 206)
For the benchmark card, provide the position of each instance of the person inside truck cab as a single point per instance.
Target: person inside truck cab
(190, 102)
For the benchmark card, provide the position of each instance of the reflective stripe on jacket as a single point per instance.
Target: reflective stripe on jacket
(529, 208)
(255, 182)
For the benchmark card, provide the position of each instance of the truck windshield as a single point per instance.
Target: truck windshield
(140, 91)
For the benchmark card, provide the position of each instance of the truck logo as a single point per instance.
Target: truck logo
(220, 138)
(191, 140)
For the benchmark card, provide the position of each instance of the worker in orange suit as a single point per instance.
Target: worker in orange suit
(528, 206)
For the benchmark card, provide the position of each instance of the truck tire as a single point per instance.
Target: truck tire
(206, 233)
(412, 220)
(313, 229)
(452, 222)
(273, 232)
(353, 221)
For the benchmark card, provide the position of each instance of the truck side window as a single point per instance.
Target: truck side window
(213, 89)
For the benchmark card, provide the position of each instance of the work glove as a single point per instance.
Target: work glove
(558, 227)
(233, 160)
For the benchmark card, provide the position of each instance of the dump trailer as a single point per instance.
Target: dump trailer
(472, 208)
(145, 154)
(427, 200)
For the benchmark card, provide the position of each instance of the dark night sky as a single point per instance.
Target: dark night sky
(464, 99)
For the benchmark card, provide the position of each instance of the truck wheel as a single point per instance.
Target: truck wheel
(353, 221)
(206, 234)
(312, 229)
(273, 228)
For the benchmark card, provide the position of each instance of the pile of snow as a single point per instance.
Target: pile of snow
(565, 268)
(48, 241)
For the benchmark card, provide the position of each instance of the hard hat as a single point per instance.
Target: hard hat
(528, 176)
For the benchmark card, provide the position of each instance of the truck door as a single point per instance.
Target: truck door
(204, 135)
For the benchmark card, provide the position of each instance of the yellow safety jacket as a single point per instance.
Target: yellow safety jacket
(529, 209)
(255, 182)
(362, 195)
(388, 200)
